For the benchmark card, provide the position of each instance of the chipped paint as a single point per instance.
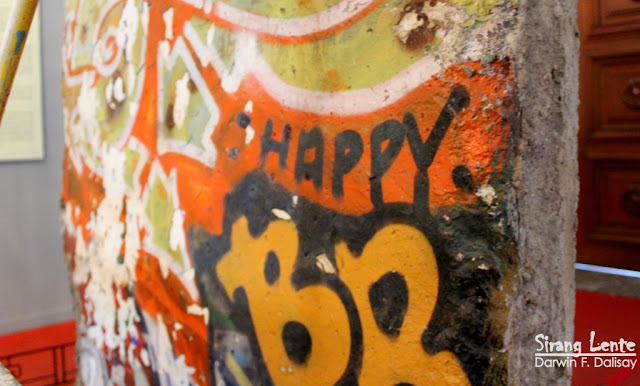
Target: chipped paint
(250, 132)
(195, 309)
(325, 265)
(281, 214)
(171, 369)
(486, 193)
(407, 24)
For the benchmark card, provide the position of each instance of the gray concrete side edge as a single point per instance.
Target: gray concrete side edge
(543, 298)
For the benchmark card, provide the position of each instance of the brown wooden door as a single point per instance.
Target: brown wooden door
(609, 138)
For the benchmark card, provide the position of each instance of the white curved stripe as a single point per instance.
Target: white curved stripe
(298, 26)
(365, 100)
(345, 102)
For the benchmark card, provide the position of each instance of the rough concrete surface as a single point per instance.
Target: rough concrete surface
(547, 78)
(6, 379)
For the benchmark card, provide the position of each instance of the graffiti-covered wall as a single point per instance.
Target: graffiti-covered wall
(291, 191)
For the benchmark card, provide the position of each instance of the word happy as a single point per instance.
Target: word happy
(386, 141)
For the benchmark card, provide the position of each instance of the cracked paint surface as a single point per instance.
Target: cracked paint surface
(289, 192)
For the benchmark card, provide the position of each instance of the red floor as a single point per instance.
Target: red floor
(45, 356)
(611, 318)
(42, 356)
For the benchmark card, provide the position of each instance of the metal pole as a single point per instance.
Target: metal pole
(15, 35)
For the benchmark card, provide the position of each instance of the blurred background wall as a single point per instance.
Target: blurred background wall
(34, 289)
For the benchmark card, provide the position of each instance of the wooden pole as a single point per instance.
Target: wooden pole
(13, 40)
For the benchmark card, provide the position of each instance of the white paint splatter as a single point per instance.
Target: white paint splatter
(171, 370)
(81, 272)
(444, 15)
(281, 214)
(248, 107)
(407, 24)
(118, 90)
(211, 33)
(108, 229)
(249, 134)
(68, 225)
(164, 49)
(181, 102)
(323, 262)
(164, 267)
(486, 193)
(195, 309)
(177, 240)
(168, 24)
(99, 264)
(132, 243)
(86, 129)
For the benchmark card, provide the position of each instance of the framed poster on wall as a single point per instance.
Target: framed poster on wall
(21, 130)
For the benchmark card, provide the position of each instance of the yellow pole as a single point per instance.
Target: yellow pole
(15, 35)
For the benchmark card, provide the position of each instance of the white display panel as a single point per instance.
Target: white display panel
(21, 130)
